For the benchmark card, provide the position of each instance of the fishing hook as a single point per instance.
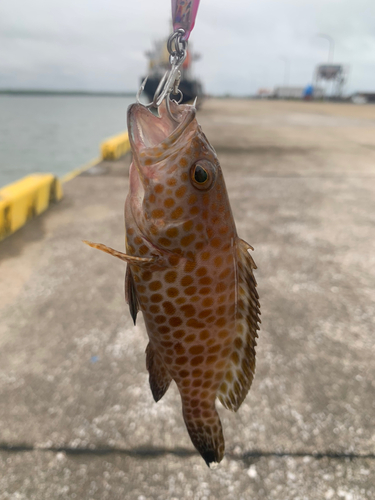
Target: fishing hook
(171, 79)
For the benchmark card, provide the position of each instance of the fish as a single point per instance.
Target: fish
(188, 272)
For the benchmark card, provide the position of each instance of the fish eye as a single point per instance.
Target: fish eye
(202, 174)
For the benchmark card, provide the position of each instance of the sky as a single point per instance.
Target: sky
(244, 44)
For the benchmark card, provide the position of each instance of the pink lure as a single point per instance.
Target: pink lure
(184, 13)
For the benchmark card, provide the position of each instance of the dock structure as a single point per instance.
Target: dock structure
(77, 419)
(25, 199)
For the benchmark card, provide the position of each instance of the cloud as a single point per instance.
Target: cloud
(98, 44)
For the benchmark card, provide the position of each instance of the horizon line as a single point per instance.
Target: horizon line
(61, 91)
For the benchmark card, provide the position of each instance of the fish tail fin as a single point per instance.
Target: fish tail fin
(205, 431)
(159, 377)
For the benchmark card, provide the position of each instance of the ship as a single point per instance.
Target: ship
(159, 63)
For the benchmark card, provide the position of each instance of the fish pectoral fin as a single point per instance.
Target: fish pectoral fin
(131, 294)
(240, 373)
(159, 377)
(130, 259)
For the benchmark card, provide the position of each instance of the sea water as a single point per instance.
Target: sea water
(55, 134)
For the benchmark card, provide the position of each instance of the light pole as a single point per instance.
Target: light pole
(331, 46)
(286, 70)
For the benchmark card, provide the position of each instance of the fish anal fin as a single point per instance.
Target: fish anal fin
(205, 431)
(159, 377)
(131, 294)
(240, 372)
(130, 259)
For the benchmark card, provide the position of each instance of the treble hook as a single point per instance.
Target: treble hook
(171, 79)
(168, 104)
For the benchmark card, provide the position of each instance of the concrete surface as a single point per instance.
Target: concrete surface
(74, 399)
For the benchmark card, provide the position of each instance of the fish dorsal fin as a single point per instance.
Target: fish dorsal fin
(239, 376)
(131, 294)
(159, 377)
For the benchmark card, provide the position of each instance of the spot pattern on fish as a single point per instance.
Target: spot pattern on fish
(189, 273)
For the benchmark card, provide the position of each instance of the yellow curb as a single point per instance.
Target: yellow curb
(24, 199)
(115, 147)
(70, 175)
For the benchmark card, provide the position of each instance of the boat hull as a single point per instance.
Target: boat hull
(190, 89)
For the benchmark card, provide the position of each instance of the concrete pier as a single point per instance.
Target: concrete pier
(77, 419)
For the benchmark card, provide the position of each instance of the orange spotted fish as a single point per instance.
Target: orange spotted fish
(188, 272)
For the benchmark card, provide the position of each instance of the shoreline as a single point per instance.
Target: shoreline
(28, 197)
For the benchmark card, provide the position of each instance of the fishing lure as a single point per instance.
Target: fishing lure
(184, 13)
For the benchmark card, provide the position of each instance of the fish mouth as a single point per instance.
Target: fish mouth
(150, 132)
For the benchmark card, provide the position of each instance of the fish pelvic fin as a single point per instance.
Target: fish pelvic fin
(240, 373)
(131, 294)
(159, 377)
(205, 432)
(130, 259)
